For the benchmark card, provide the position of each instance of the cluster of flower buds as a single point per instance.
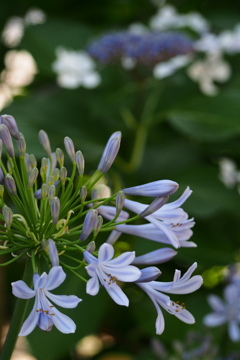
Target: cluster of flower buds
(56, 215)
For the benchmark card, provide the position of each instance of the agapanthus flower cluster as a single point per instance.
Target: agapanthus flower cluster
(54, 219)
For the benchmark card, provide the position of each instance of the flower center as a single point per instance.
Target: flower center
(111, 279)
(176, 307)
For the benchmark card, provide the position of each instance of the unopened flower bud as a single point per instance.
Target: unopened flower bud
(56, 174)
(10, 184)
(10, 166)
(83, 193)
(101, 191)
(156, 204)
(27, 162)
(149, 274)
(44, 164)
(113, 237)
(32, 177)
(10, 122)
(89, 224)
(119, 202)
(1, 176)
(44, 141)
(21, 145)
(110, 152)
(63, 175)
(69, 147)
(80, 162)
(50, 249)
(32, 161)
(44, 191)
(1, 191)
(7, 140)
(98, 225)
(60, 157)
(55, 209)
(8, 216)
(51, 192)
(91, 247)
(1, 148)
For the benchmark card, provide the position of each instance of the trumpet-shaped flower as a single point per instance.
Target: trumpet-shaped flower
(108, 271)
(226, 312)
(44, 314)
(180, 285)
(169, 224)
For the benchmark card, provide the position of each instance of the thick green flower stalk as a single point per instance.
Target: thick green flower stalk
(52, 220)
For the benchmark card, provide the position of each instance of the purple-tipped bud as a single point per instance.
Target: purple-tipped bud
(51, 192)
(69, 146)
(32, 177)
(1, 145)
(10, 184)
(44, 141)
(119, 202)
(50, 249)
(110, 152)
(158, 256)
(63, 175)
(55, 209)
(83, 193)
(7, 140)
(80, 162)
(91, 247)
(56, 174)
(98, 225)
(10, 166)
(155, 188)
(10, 122)
(149, 274)
(89, 224)
(156, 204)
(8, 216)
(60, 157)
(21, 144)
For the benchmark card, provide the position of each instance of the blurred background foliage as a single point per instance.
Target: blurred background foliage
(188, 136)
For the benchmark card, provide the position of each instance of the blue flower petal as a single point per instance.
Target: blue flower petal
(89, 257)
(93, 286)
(63, 323)
(127, 273)
(123, 259)
(45, 322)
(56, 277)
(106, 252)
(21, 290)
(66, 301)
(31, 322)
(117, 295)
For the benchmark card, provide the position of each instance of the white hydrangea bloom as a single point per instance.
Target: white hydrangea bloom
(205, 72)
(169, 67)
(5, 95)
(229, 173)
(13, 31)
(34, 16)
(74, 69)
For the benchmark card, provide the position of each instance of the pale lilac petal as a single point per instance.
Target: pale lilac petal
(109, 212)
(117, 295)
(170, 234)
(45, 322)
(189, 272)
(31, 322)
(187, 244)
(127, 273)
(160, 322)
(106, 252)
(63, 323)
(180, 287)
(89, 257)
(56, 277)
(149, 274)
(66, 301)
(113, 237)
(231, 293)
(91, 269)
(155, 188)
(42, 281)
(21, 290)
(234, 331)
(185, 316)
(155, 257)
(214, 319)
(177, 203)
(216, 303)
(93, 286)
(123, 259)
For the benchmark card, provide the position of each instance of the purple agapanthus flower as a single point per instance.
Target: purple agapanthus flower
(180, 285)
(108, 271)
(44, 314)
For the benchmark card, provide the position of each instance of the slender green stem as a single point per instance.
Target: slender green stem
(17, 319)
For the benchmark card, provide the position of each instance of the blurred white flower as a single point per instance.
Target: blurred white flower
(20, 69)
(205, 72)
(128, 63)
(168, 18)
(5, 95)
(229, 173)
(13, 31)
(34, 16)
(169, 67)
(75, 68)
(137, 28)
